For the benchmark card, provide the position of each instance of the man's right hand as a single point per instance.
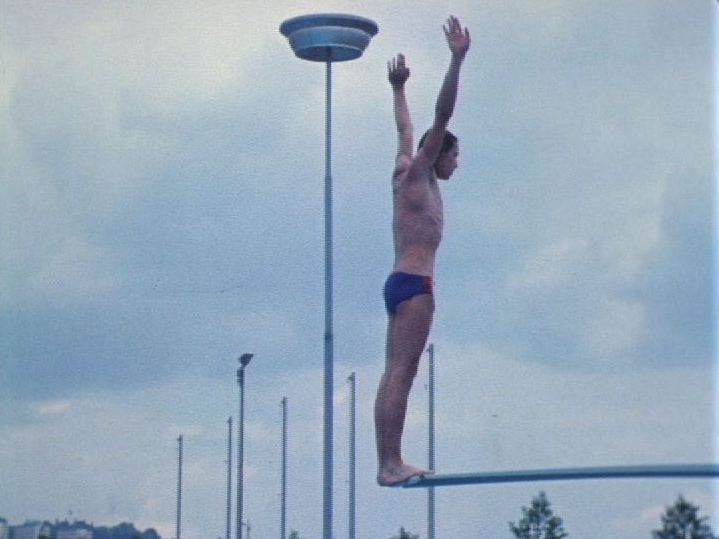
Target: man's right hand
(397, 71)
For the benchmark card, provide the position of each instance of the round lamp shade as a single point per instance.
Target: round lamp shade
(328, 37)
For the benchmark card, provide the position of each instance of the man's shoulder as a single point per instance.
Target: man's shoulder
(402, 163)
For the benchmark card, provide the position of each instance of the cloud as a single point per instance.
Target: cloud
(551, 265)
(620, 326)
(51, 408)
(75, 272)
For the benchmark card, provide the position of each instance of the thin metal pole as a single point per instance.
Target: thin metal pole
(430, 490)
(352, 452)
(240, 451)
(179, 488)
(328, 372)
(228, 519)
(283, 505)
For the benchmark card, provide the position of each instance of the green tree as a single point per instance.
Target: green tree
(538, 521)
(294, 535)
(682, 521)
(150, 533)
(404, 534)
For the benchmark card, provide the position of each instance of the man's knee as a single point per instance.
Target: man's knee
(404, 372)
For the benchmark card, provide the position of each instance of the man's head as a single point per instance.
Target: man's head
(447, 159)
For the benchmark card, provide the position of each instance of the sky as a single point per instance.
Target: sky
(161, 213)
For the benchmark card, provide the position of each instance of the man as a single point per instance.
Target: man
(417, 227)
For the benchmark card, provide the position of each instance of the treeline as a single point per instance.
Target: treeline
(123, 531)
(679, 521)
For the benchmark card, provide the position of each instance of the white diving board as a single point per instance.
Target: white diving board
(564, 474)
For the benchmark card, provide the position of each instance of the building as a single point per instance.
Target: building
(76, 530)
(4, 529)
(32, 529)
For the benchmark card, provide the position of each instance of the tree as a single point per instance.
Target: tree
(682, 521)
(150, 533)
(294, 535)
(538, 521)
(404, 534)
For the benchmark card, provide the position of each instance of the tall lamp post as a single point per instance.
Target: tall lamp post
(430, 490)
(178, 514)
(352, 455)
(244, 360)
(228, 519)
(283, 490)
(328, 38)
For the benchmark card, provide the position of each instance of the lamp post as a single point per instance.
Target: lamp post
(430, 490)
(228, 531)
(179, 488)
(283, 495)
(328, 38)
(244, 360)
(352, 456)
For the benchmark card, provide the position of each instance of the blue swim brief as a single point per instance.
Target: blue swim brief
(403, 286)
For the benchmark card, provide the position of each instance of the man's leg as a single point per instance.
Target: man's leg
(407, 334)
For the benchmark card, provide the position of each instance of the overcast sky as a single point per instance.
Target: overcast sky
(161, 176)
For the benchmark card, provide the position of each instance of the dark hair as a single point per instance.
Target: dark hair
(448, 141)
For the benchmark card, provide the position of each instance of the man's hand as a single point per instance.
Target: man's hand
(397, 71)
(457, 39)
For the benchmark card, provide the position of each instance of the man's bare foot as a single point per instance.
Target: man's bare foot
(389, 476)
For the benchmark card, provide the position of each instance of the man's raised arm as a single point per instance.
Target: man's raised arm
(398, 73)
(458, 42)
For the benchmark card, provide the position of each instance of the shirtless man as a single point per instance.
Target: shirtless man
(417, 227)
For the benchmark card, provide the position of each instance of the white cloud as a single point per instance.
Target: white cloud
(552, 265)
(75, 270)
(51, 408)
(619, 325)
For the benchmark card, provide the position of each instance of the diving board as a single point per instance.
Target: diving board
(564, 474)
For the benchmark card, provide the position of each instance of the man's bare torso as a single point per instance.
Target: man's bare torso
(418, 220)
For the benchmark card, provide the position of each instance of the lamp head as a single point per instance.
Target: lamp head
(244, 359)
(328, 37)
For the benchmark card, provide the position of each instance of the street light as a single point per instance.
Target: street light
(179, 488)
(352, 454)
(228, 531)
(430, 491)
(244, 360)
(328, 37)
(283, 491)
